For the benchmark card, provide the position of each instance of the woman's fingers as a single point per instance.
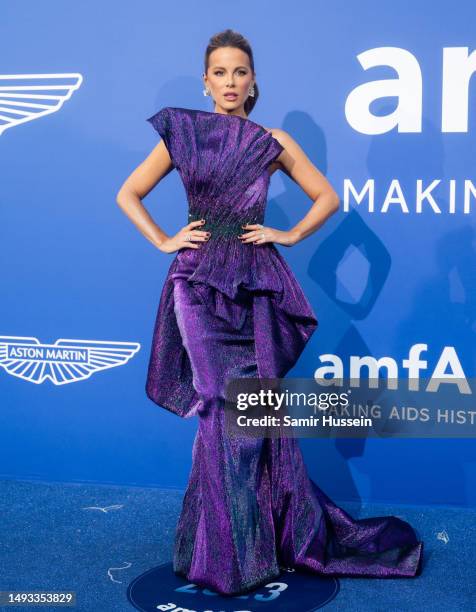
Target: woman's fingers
(192, 236)
(191, 229)
(198, 235)
(254, 233)
(194, 224)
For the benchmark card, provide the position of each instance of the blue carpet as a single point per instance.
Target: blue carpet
(95, 540)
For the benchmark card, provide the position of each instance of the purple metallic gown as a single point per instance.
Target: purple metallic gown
(232, 310)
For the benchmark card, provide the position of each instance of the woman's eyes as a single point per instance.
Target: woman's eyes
(219, 72)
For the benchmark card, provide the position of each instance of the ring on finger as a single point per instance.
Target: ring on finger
(188, 237)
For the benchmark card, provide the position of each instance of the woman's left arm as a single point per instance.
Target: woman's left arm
(295, 163)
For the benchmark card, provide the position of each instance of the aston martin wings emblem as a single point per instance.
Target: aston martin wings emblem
(25, 97)
(63, 362)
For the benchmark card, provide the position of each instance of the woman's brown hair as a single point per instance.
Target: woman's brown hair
(229, 38)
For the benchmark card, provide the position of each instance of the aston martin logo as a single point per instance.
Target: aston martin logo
(25, 97)
(63, 362)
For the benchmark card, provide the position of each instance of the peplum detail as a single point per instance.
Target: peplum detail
(228, 270)
(223, 162)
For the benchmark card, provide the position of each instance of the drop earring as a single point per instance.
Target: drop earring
(206, 91)
(251, 91)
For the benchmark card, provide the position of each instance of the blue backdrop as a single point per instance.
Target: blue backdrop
(381, 277)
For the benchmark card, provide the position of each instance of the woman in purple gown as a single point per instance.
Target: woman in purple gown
(231, 308)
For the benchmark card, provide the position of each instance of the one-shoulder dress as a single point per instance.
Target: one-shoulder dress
(230, 310)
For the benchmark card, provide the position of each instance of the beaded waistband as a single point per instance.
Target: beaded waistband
(217, 228)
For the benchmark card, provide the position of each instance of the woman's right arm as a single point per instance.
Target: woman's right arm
(129, 198)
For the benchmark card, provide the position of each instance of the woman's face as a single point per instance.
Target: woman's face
(228, 73)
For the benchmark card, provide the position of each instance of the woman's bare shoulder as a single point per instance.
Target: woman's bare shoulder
(281, 136)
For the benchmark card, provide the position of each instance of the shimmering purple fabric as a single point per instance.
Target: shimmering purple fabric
(232, 310)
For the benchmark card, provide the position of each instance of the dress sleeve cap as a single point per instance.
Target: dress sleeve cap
(276, 147)
(273, 149)
(161, 123)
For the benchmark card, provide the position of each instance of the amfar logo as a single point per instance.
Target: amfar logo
(448, 360)
(25, 97)
(458, 66)
(63, 362)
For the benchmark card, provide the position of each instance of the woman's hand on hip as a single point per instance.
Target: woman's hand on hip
(186, 238)
(260, 234)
